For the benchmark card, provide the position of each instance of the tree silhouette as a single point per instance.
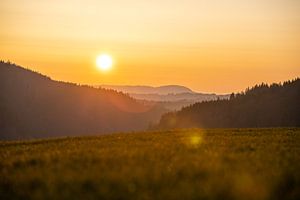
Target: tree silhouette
(275, 105)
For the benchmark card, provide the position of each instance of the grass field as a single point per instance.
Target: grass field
(179, 164)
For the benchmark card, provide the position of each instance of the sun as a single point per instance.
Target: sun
(104, 62)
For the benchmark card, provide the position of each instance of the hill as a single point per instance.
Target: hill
(249, 164)
(275, 105)
(34, 106)
(161, 90)
(171, 97)
(180, 97)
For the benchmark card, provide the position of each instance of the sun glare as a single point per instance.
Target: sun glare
(104, 62)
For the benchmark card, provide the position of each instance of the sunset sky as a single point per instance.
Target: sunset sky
(208, 45)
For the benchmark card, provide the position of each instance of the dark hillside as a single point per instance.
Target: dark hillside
(276, 105)
(33, 105)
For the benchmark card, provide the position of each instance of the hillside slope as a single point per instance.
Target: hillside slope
(161, 90)
(34, 106)
(276, 105)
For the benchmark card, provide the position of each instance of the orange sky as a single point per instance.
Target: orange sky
(208, 45)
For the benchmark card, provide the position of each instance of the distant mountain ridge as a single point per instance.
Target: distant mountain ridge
(188, 97)
(171, 97)
(139, 89)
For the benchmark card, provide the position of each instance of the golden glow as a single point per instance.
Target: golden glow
(193, 139)
(208, 46)
(196, 140)
(104, 62)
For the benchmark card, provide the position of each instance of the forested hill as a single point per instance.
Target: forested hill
(276, 105)
(34, 106)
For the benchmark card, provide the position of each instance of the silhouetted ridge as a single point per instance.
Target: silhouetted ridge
(32, 105)
(161, 90)
(276, 105)
(171, 97)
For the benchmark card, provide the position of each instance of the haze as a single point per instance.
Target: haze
(209, 46)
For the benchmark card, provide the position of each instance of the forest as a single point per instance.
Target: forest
(275, 105)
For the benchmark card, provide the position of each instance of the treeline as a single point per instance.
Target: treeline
(34, 106)
(276, 105)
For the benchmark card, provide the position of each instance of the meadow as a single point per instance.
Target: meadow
(176, 164)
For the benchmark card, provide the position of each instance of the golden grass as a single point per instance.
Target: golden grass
(179, 164)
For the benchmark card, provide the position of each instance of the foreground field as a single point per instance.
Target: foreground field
(181, 164)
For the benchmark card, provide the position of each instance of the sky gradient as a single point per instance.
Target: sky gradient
(208, 45)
